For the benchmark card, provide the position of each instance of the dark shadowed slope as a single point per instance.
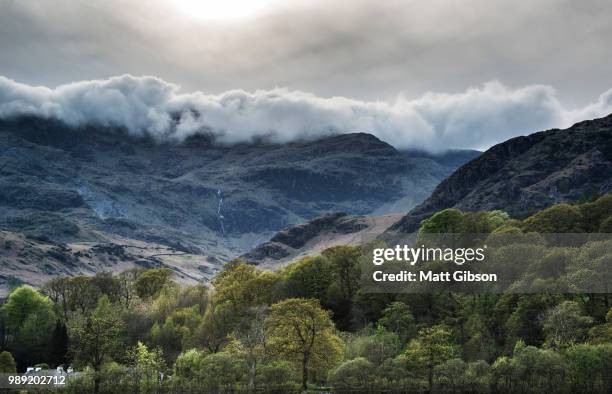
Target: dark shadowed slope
(316, 235)
(525, 174)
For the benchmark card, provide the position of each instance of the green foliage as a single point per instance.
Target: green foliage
(375, 348)
(277, 377)
(457, 376)
(597, 214)
(561, 218)
(309, 277)
(453, 220)
(302, 331)
(276, 332)
(590, 366)
(432, 347)
(222, 372)
(446, 221)
(23, 303)
(151, 282)
(217, 324)
(606, 225)
(7, 363)
(353, 376)
(29, 320)
(97, 337)
(189, 364)
(398, 318)
(565, 324)
(148, 366)
(345, 264)
(169, 337)
(479, 341)
(524, 322)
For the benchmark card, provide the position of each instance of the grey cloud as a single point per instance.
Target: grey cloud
(477, 118)
(363, 49)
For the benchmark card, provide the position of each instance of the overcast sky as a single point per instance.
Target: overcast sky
(470, 73)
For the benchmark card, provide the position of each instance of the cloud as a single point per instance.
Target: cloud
(363, 49)
(477, 118)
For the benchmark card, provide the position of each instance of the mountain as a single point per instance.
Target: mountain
(316, 235)
(193, 203)
(450, 158)
(526, 174)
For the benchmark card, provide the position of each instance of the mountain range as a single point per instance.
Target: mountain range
(519, 176)
(91, 199)
(526, 174)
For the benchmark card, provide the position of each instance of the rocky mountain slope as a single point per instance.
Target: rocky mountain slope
(68, 187)
(316, 235)
(525, 174)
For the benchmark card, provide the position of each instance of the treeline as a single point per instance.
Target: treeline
(310, 325)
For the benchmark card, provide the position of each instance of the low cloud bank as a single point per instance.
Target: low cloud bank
(476, 118)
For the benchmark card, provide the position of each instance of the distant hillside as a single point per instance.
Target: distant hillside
(313, 237)
(65, 186)
(526, 174)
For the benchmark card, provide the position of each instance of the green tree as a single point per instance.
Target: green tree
(565, 324)
(397, 318)
(506, 374)
(353, 376)
(590, 366)
(277, 377)
(7, 363)
(345, 265)
(169, 337)
(83, 294)
(303, 331)
(30, 319)
(561, 218)
(218, 323)
(524, 322)
(375, 348)
(309, 277)
(150, 282)
(432, 347)
(446, 221)
(222, 373)
(148, 364)
(252, 338)
(540, 370)
(189, 363)
(58, 290)
(59, 344)
(22, 303)
(450, 376)
(602, 333)
(241, 286)
(97, 336)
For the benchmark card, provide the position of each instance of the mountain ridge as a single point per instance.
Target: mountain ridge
(213, 202)
(526, 173)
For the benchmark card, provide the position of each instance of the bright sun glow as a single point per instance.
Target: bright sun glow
(222, 10)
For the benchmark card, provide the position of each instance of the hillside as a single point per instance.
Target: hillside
(525, 174)
(65, 187)
(316, 235)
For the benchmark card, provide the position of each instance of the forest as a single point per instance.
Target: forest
(310, 326)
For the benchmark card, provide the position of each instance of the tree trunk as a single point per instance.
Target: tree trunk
(305, 372)
(96, 382)
(252, 373)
